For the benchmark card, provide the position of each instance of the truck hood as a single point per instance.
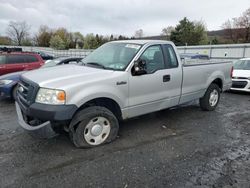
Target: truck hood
(241, 73)
(60, 76)
(12, 76)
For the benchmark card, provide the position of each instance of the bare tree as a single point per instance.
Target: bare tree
(139, 33)
(42, 38)
(18, 31)
(167, 31)
(244, 23)
(238, 29)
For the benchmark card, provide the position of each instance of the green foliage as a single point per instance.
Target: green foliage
(42, 38)
(65, 37)
(5, 41)
(57, 42)
(189, 33)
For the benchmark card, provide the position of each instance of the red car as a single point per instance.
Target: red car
(19, 61)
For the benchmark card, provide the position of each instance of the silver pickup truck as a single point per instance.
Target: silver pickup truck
(117, 81)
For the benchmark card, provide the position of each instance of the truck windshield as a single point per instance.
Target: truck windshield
(242, 65)
(114, 56)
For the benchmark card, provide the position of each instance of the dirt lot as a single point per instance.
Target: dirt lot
(183, 147)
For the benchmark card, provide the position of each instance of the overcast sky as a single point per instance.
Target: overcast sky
(118, 16)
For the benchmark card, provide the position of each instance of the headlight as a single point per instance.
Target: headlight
(5, 82)
(51, 96)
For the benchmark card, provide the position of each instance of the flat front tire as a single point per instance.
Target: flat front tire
(93, 126)
(211, 98)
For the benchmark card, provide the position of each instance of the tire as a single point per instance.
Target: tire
(14, 92)
(93, 126)
(211, 98)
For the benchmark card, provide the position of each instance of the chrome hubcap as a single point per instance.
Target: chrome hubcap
(97, 130)
(214, 96)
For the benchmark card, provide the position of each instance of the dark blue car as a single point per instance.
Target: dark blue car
(194, 56)
(8, 82)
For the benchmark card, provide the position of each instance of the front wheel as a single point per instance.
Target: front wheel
(14, 92)
(93, 126)
(211, 98)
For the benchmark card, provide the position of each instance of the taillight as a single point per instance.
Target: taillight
(232, 70)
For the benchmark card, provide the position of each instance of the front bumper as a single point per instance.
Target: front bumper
(241, 85)
(43, 130)
(41, 116)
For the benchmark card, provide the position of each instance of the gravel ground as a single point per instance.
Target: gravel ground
(182, 147)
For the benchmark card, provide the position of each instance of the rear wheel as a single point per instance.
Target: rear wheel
(211, 98)
(93, 126)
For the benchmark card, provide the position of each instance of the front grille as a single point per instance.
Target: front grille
(26, 92)
(239, 84)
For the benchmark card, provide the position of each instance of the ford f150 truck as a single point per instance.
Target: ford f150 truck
(117, 81)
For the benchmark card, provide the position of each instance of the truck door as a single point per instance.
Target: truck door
(156, 90)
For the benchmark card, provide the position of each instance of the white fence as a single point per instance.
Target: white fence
(55, 53)
(228, 51)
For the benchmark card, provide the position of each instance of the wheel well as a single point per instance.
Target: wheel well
(218, 82)
(108, 103)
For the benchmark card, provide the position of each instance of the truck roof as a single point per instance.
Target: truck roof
(142, 41)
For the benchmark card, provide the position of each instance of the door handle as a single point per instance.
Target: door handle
(166, 78)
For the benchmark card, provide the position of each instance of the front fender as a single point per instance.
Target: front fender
(119, 94)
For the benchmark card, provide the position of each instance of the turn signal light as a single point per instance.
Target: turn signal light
(61, 96)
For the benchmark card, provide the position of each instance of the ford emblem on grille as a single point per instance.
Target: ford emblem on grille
(21, 89)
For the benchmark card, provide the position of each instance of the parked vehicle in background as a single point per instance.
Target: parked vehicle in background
(12, 49)
(45, 56)
(193, 56)
(8, 82)
(117, 81)
(241, 75)
(19, 61)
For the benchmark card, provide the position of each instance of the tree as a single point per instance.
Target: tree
(42, 38)
(57, 42)
(244, 23)
(18, 31)
(238, 29)
(139, 33)
(189, 33)
(77, 40)
(64, 35)
(167, 31)
(90, 41)
(231, 30)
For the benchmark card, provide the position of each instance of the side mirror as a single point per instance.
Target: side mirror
(140, 67)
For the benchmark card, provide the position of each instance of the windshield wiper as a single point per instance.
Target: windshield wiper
(96, 64)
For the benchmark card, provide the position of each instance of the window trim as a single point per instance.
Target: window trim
(165, 57)
(164, 61)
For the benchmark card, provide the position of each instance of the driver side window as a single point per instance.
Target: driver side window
(153, 57)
